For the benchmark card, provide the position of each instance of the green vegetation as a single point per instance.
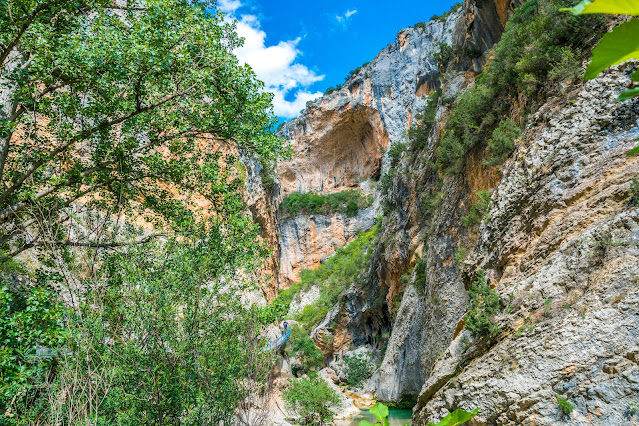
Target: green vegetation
(420, 275)
(312, 399)
(303, 348)
(633, 201)
(354, 72)
(456, 418)
(30, 319)
(460, 256)
(332, 89)
(441, 18)
(349, 202)
(443, 57)
(482, 306)
(616, 46)
(105, 102)
(564, 405)
(478, 211)
(358, 369)
(502, 142)
(537, 50)
(111, 324)
(418, 134)
(268, 176)
(395, 153)
(337, 273)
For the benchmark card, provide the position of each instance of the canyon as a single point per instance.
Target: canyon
(558, 243)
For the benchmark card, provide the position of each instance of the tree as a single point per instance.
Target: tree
(312, 399)
(121, 109)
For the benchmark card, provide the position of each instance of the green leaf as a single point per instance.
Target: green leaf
(617, 46)
(633, 151)
(460, 416)
(617, 7)
(631, 93)
(380, 411)
(456, 418)
(635, 75)
(365, 423)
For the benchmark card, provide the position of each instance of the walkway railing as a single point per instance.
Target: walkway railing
(272, 345)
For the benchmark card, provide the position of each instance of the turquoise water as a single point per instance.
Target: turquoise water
(396, 417)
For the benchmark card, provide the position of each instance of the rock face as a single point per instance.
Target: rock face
(341, 137)
(339, 141)
(306, 240)
(561, 246)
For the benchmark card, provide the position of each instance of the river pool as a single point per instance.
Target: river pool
(396, 417)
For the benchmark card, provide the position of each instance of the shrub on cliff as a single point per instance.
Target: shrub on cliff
(478, 210)
(540, 48)
(482, 307)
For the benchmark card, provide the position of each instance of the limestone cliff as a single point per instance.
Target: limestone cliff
(339, 141)
(559, 244)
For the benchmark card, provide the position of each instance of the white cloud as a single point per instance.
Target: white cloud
(343, 18)
(229, 6)
(275, 65)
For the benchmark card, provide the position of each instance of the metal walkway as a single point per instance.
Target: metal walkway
(273, 345)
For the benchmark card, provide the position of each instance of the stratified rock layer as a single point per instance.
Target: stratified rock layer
(561, 245)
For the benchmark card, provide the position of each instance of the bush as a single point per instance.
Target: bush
(30, 318)
(478, 210)
(420, 275)
(331, 89)
(443, 57)
(483, 305)
(358, 368)
(268, 176)
(349, 202)
(303, 348)
(564, 405)
(312, 399)
(502, 142)
(395, 153)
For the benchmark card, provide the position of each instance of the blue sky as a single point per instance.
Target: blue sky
(299, 48)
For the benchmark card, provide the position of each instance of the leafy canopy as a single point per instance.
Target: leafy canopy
(127, 109)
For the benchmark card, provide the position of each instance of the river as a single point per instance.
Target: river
(396, 418)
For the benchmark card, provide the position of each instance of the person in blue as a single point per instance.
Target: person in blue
(284, 327)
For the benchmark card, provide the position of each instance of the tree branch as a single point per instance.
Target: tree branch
(83, 135)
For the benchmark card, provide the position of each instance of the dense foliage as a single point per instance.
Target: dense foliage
(349, 202)
(358, 368)
(540, 48)
(31, 329)
(312, 399)
(99, 100)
